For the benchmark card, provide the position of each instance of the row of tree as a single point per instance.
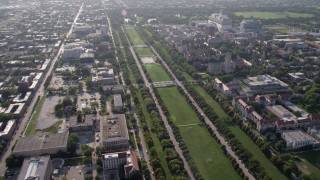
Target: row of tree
(175, 163)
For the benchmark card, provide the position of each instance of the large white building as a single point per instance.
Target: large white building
(297, 139)
(222, 22)
(226, 66)
(127, 158)
(265, 84)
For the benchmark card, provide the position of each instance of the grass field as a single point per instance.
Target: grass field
(157, 73)
(272, 15)
(33, 122)
(243, 138)
(144, 52)
(155, 140)
(310, 160)
(212, 163)
(134, 37)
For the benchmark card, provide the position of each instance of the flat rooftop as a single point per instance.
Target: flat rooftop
(41, 142)
(114, 127)
(34, 168)
(263, 80)
(117, 100)
(296, 135)
(87, 120)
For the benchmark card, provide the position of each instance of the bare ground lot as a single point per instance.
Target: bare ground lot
(47, 117)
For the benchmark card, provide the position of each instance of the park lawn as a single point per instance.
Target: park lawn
(155, 139)
(212, 163)
(242, 137)
(310, 159)
(33, 122)
(134, 37)
(156, 72)
(279, 29)
(214, 104)
(144, 52)
(272, 15)
(187, 76)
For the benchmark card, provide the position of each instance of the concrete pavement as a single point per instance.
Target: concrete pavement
(207, 120)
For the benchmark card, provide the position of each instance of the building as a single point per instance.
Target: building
(88, 123)
(296, 77)
(114, 132)
(23, 98)
(210, 30)
(297, 139)
(103, 30)
(41, 144)
(82, 29)
(127, 159)
(102, 76)
(222, 22)
(118, 105)
(116, 89)
(7, 129)
(36, 168)
(72, 54)
(227, 66)
(282, 113)
(17, 109)
(250, 26)
(87, 58)
(264, 84)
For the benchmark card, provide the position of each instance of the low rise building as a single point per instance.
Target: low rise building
(41, 144)
(117, 100)
(264, 84)
(23, 98)
(116, 89)
(114, 132)
(17, 109)
(297, 139)
(7, 129)
(127, 160)
(36, 168)
(88, 123)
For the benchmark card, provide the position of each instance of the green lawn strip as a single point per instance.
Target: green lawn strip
(134, 37)
(311, 159)
(187, 76)
(33, 122)
(204, 150)
(156, 72)
(155, 139)
(272, 15)
(144, 52)
(214, 104)
(207, 153)
(242, 137)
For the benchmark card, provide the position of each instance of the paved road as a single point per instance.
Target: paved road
(216, 132)
(164, 118)
(41, 91)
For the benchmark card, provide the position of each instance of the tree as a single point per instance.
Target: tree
(80, 86)
(86, 150)
(79, 117)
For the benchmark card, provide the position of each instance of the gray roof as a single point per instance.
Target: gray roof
(114, 127)
(34, 168)
(88, 120)
(117, 100)
(41, 142)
